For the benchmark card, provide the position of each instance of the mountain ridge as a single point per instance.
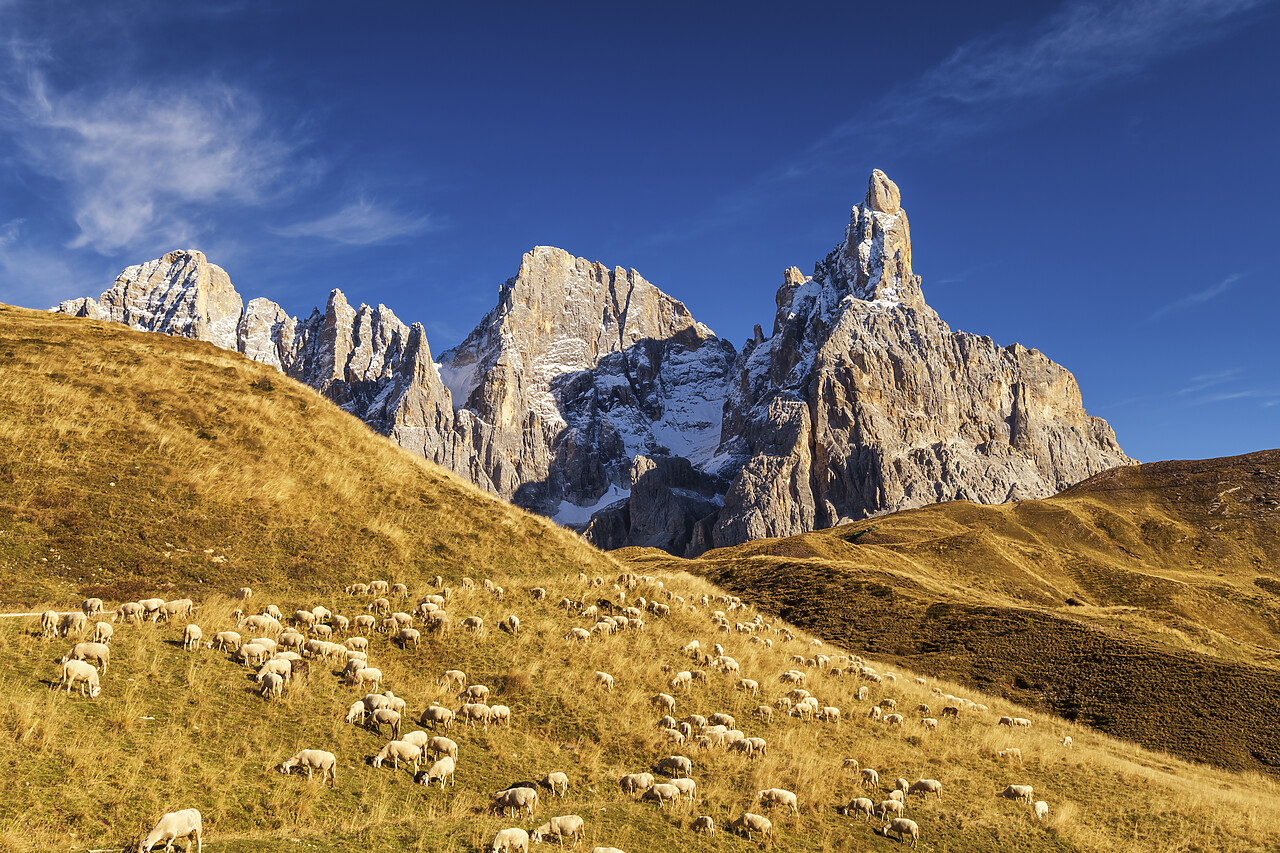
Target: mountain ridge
(585, 385)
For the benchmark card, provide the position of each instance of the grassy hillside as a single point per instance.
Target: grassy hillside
(136, 465)
(1144, 601)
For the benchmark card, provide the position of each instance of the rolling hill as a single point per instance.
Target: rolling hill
(135, 465)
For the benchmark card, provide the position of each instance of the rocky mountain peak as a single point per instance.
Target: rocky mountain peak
(882, 194)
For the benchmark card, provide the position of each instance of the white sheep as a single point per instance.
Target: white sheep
(870, 777)
(476, 692)
(1010, 754)
(779, 797)
(558, 783)
(860, 805)
(926, 787)
(1020, 793)
(1068, 742)
(682, 679)
(442, 770)
(91, 607)
(748, 823)
(513, 840)
(312, 760)
(102, 632)
(511, 624)
(688, 788)
(675, 765)
(901, 826)
(385, 717)
(83, 673)
(636, 782)
(515, 799)
(272, 684)
(442, 746)
(604, 679)
(663, 701)
(97, 653)
(436, 716)
(171, 827)
(357, 712)
(661, 793)
(565, 826)
(366, 675)
(891, 805)
(1041, 809)
(748, 685)
(704, 823)
(397, 751)
(471, 712)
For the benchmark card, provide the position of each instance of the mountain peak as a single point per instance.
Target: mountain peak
(882, 194)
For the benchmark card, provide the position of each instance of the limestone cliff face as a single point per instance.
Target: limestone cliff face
(864, 401)
(590, 395)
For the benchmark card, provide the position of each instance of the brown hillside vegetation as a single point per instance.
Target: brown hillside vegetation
(134, 465)
(1144, 601)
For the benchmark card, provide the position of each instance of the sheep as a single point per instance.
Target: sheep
(870, 777)
(473, 711)
(558, 783)
(72, 623)
(926, 787)
(566, 825)
(894, 720)
(478, 692)
(662, 793)
(677, 765)
(453, 676)
(385, 716)
(312, 760)
(512, 625)
(1005, 721)
(179, 607)
(859, 805)
(874, 713)
(764, 712)
(500, 715)
(890, 805)
(950, 712)
(272, 684)
(378, 587)
(663, 701)
(399, 590)
(749, 823)
(282, 668)
(863, 691)
(929, 724)
(1068, 742)
(191, 637)
(97, 653)
(779, 797)
(513, 840)
(252, 652)
(722, 719)
(830, 713)
(704, 823)
(366, 675)
(748, 685)
(442, 770)
(102, 632)
(244, 593)
(636, 782)
(515, 799)
(378, 606)
(899, 796)
(1019, 793)
(129, 610)
(604, 679)
(357, 712)
(442, 746)
(91, 607)
(901, 784)
(1010, 754)
(901, 826)
(688, 788)
(83, 673)
(582, 635)
(436, 715)
(1041, 809)
(397, 751)
(472, 625)
(364, 622)
(1021, 722)
(682, 679)
(172, 826)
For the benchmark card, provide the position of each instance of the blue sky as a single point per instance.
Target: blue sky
(1096, 180)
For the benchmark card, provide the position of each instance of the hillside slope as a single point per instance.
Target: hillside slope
(135, 465)
(1113, 603)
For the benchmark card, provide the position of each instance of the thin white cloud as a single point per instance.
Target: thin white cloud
(141, 164)
(1198, 298)
(993, 80)
(361, 223)
(1209, 380)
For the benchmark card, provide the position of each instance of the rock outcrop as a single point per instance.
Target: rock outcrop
(589, 395)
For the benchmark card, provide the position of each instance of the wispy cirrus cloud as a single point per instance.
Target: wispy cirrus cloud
(991, 81)
(1198, 298)
(1205, 381)
(362, 223)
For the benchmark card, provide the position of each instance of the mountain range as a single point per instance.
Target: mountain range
(591, 396)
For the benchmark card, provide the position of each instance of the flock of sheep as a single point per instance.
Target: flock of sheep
(283, 648)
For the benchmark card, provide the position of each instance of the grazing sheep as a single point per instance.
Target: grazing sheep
(500, 715)
(901, 826)
(478, 692)
(558, 783)
(244, 593)
(704, 824)
(779, 797)
(103, 632)
(442, 746)
(453, 676)
(366, 675)
(929, 724)
(663, 701)
(870, 777)
(380, 717)
(569, 825)
(1019, 793)
(82, 673)
(442, 770)
(688, 788)
(893, 804)
(191, 637)
(901, 785)
(722, 719)
(748, 685)
(894, 720)
(662, 793)
(636, 782)
(312, 760)
(72, 623)
(950, 712)
(681, 679)
(473, 711)
(252, 653)
(515, 799)
(378, 587)
(282, 668)
(1005, 721)
(49, 623)
(1041, 809)
(675, 765)
(604, 679)
(436, 715)
(171, 827)
(926, 787)
(1068, 742)
(357, 712)
(747, 823)
(91, 607)
(874, 713)
(513, 840)
(899, 796)
(511, 624)
(472, 625)
(397, 751)
(97, 653)
(1021, 722)
(860, 805)
(582, 635)
(272, 685)
(1010, 754)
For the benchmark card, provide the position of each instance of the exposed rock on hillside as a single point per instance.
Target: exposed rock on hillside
(588, 391)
